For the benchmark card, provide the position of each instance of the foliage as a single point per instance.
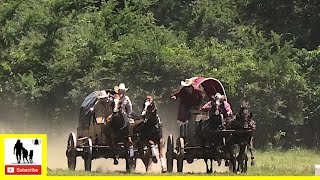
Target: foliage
(55, 52)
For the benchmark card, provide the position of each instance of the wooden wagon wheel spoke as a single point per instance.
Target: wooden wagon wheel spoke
(170, 153)
(180, 154)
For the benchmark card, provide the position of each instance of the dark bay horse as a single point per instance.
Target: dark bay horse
(245, 118)
(207, 139)
(244, 140)
(150, 135)
(117, 131)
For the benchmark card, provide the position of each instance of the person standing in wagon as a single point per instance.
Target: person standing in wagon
(190, 98)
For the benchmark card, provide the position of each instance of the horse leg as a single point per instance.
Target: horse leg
(252, 157)
(211, 165)
(250, 147)
(161, 155)
(113, 149)
(225, 150)
(143, 156)
(153, 151)
(218, 150)
(241, 158)
(207, 166)
(148, 159)
(232, 157)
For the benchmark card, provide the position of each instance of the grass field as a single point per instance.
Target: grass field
(297, 162)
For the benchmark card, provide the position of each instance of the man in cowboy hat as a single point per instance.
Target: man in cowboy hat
(101, 107)
(190, 98)
(126, 106)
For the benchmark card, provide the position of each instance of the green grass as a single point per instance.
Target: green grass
(296, 162)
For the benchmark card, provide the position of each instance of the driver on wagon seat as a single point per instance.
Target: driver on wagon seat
(225, 108)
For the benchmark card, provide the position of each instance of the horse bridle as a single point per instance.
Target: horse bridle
(245, 115)
(215, 108)
(147, 104)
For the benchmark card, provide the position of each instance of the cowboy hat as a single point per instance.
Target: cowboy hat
(121, 86)
(187, 82)
(102, 94)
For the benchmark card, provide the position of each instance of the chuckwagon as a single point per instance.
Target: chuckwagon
(90, 141)
(196, 141)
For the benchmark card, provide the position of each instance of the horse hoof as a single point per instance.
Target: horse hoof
(226, 163)
(219, 162)
(154, 160)
(238, 172)
(253, 163)
(163, 170)
(115, 162)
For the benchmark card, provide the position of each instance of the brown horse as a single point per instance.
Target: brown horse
(150, 135)
(117, 131)
(244, 140)
(245, 117)
(215, 122)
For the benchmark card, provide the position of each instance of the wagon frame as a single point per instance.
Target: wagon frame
(90, 141)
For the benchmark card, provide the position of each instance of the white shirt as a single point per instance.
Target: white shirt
(126, 105)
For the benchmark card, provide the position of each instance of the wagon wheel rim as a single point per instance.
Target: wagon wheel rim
(88, 154)
(180, 155)
(71, 151)
(170, 153)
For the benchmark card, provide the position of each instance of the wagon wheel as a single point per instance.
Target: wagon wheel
(180, 155)
(170, 153)
(71, 151)
(87, 154)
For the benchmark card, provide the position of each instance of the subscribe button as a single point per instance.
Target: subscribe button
(23, 169)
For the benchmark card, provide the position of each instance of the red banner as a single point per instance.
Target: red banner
(22, 169)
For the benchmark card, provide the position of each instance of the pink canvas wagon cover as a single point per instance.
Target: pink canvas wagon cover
(211, 86)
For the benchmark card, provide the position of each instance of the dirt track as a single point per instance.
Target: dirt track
(57, 160)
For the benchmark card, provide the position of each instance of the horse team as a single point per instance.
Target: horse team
(140, 131)
(239, 131)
